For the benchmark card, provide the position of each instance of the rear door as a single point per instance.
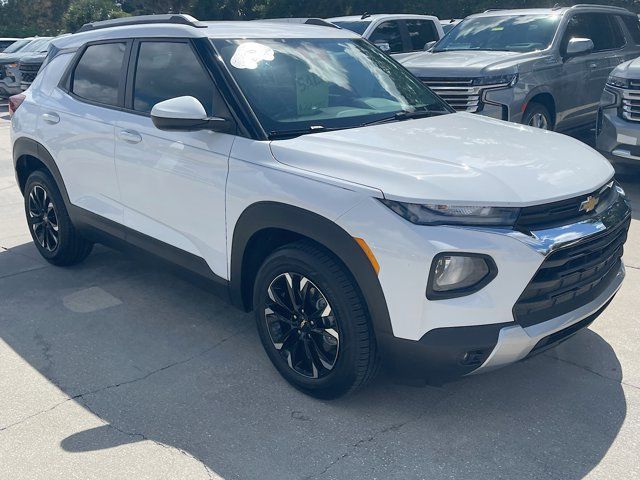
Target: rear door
(77, 124)
(173, 183)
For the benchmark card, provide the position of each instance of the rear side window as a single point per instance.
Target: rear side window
(603, 30)
(421, 32)
(98, 74)
(633, 25)
(170, 69)
(388, 32)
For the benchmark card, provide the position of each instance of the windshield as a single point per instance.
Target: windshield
(512, 33)
(17, 45)
(356, 26)
(303, 84)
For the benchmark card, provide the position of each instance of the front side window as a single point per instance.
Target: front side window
(302, 84)
(98, 74)
(167, 70)
(511, 33)
(603, 30)
(389, 33)
(421, 32)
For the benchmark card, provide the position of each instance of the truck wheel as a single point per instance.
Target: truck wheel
(49, 224)
(537, 115)
(313, 322)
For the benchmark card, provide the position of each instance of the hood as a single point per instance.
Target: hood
(630, 70)
(13, 57)
(36, 58)
(467, 63)
(456, 158)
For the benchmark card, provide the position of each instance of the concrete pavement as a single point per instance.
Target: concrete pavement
(119, 369)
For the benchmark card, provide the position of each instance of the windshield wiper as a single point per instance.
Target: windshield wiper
(405, 115)
(282, 134)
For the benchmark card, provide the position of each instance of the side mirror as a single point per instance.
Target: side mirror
(384, 46)
(186, 114)
(429, 45)
(579, 46)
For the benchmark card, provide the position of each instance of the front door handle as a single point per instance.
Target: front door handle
(593, 65)
(130, 136)
(51, 117)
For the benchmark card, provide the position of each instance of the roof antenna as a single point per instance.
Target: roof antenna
(365, 15)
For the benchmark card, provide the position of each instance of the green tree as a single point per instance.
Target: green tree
(85, 11)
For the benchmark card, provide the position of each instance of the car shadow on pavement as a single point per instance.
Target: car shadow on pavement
(160, 360)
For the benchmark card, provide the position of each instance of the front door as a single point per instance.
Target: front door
(173, 183)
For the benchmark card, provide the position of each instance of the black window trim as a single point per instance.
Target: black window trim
(66, 81)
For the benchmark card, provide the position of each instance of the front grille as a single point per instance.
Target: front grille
(572, 276)
(548, 215)
(3, 71)
(457, 92)
(29, 71)
(630, 109)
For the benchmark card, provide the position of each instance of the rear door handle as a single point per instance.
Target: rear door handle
(51, 118)
(130, 136)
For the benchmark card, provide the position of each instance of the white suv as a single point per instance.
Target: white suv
(313, 180)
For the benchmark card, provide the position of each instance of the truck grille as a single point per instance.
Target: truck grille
(631, 102)
(572, 276)
(564, 212)
(29, 71)
(457, 92)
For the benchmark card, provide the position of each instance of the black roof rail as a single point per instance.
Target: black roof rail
(171, 18)
(321, 23)
(365, 15)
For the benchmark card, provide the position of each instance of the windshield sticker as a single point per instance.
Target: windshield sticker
(312, 92)
(249, 54)
(497, 29)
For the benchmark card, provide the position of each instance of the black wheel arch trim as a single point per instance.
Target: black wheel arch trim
(274, 215)
(25, 146)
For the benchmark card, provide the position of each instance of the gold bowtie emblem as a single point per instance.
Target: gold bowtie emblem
(589, 204)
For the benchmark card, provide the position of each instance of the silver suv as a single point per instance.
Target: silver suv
(541, 67)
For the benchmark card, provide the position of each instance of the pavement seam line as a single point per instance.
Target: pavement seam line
(127, 382)
(9, 275)
(587, 369)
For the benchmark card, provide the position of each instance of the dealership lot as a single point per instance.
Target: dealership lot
(121, 369)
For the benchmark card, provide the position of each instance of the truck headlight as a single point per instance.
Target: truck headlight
(618, 82)
(432, 214)
(507, 80)
(459, 274)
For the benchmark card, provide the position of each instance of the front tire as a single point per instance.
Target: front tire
(49, 224)
(538, 116)
(313, 322)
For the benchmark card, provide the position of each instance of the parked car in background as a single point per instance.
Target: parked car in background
(29, 65)
(618, 126)
(7, 42)
(447, 25)
(541, 67)
(9, 65)
(17, 45)
(347, 205)
(396, 34)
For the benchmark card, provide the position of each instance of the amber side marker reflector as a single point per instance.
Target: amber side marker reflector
(367, 251)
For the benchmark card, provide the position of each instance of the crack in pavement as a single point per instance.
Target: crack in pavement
(128, 382)
(371, 438)
(587, 369)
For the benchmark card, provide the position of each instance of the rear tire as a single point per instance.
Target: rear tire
(51, 229)
(313, 322)
(538, 116)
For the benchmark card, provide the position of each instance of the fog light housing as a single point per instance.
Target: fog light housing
(459, 274)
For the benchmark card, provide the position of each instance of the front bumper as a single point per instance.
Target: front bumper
(618, 140)
(445, 339)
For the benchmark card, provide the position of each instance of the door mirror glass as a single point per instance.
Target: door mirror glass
(579, 46)
(384, 46)
(186, 114)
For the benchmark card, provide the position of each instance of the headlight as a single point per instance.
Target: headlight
(459, 274)
(617, 82)
(454, 214)
(509, 80)
(12, 65)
